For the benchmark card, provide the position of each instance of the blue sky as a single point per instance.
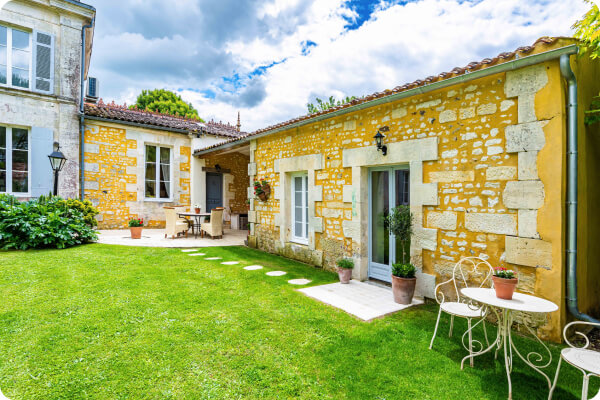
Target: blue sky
(268, 58)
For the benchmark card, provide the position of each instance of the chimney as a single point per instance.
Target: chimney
(239, 124)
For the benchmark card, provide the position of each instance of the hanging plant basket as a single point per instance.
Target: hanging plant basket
(262, 189)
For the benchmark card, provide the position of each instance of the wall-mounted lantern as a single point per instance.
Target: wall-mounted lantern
(379, 139)
(57, 161)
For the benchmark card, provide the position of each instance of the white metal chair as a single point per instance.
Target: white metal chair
(468, 269)
(582, 358)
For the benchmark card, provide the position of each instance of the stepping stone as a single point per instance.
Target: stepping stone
(213, 258)
(276, 273)
(299, 281)
(189, 250)
(197, 254)
(230, 262)
(253, 267)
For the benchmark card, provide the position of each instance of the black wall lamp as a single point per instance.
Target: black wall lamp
(379, 139)
(57, 161)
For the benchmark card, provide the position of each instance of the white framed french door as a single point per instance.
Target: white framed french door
(388, 188)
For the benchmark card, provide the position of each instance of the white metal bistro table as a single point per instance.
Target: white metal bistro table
(198, 217)
(504, 311)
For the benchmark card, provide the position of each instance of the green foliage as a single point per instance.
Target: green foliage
(588, 31)
(324, 105)
(46, 222)
(403, 270)
(399, 222)
(136, 222)
(345, 263)
(165, 102)
(502, 272)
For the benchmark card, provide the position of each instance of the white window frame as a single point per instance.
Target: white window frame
(304, 238)
(9, 169)
(9, 50)
(157, 176)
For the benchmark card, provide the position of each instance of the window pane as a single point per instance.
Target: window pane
(150, 171)
(298, 211)
(298, 229)
(19, 160)
(20, 59)
(165, 174)
(19, 139)
(2, 159)
(3, 74)
(20, 78)
(151, 153)
(3, 55)
(3, 35)
(2, 181)
(2, 137)
(164, 189)
(165, 155)
(20, 40)
(19, 182)
(150, 189)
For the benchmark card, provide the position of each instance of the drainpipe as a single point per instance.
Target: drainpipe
(81, 115)
(572, 146)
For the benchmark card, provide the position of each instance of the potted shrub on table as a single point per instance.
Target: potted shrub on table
(505, 283)
(399, 222)
(345, 266)
(135, 227)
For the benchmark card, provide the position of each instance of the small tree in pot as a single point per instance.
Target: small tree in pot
(344, 269)
(403, 273)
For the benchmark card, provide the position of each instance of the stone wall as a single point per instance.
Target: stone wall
(114, 173)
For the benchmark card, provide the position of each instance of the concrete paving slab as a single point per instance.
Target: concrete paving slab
(196, 254)
(301, 281)
(230, 262)
(213, 258)
(253, 267)
(156, 238)
(276, 273)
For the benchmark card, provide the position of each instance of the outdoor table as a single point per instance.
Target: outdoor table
(504, 311)
(197, 220)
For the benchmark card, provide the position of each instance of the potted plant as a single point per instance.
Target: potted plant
(399, 222)
(403, 282)
(344, 269)
(135, 227)
(262, 189)
(505, 283)
(197, 208)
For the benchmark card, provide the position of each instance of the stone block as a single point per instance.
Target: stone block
(332, 212)
(503, 224)
(351, 229)
(424, 238)
(448, 116)
(91, 185)
(398, 152)
(529, 252)
(131, 170)
(525, 80)
(350, 125)
(500, 173)
(91, 148)
(528, 165)
(425, 194)
(506, 105)
(349, 194)
(442, 220)
(452, 176)
(399, 112)
(486, 109)
(251, 169)
(528, 224)
(429, 104)
(253, 145)
(524, 195)
(252, 217)
(466, 113)
(425, 285)
(315, 224)
(91, 167)
(525, 137)
(526, 108)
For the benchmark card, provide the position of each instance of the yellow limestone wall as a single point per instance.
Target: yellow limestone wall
(114, 173)
(474, 171)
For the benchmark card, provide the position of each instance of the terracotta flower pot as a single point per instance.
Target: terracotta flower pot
(504, 287)
(403, 289)
(197, 210)
(262, 196)
(136, 232)
(345, 274)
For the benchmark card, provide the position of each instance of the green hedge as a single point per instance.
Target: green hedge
(45, 222)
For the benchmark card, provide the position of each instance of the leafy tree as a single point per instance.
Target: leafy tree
(588, 31)
(165, 102)
(324, 105)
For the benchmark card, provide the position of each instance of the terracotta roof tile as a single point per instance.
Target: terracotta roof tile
(117, 112)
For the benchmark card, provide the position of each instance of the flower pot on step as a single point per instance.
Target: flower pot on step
(136, 232)
(345, 274)
(403, 289)
(505, 288)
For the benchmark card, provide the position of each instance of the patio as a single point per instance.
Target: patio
(156, 238)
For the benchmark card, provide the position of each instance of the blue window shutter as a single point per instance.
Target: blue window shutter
(43, 62)
(42, 140)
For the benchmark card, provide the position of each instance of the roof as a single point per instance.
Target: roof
(541, 45)
(122, 113)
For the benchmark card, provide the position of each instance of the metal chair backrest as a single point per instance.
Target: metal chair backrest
(470, 270)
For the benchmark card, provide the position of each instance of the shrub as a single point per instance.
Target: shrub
(136, 222)
(346, 263)
(399, 222)
(404, 270)
(45, 222)
(502, 272)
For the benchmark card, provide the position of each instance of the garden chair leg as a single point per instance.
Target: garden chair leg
(485, 333)
(555, 379)
(584, 390)
(436, 328)
(451, 325)
(470, 340)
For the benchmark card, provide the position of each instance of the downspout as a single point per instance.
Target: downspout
(572, 176)
(81, 114)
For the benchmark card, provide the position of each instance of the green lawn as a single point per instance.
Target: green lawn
(110, 322)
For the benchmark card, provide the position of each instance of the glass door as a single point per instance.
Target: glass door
(387, 186)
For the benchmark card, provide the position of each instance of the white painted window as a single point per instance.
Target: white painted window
(300, 208)
(15, 160)
(15, 57)
(158, 173)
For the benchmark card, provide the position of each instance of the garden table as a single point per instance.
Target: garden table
(505, 311)
(197, 220)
